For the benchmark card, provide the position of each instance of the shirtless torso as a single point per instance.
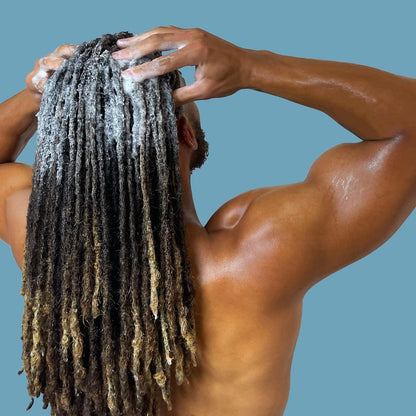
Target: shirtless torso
(247, 325)
(262, 251)
(247, 322)
(252, 264)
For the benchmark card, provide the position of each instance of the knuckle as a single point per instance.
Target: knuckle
(60, 48)
(199, 39)
(156, 36)
(52, 61)
(198, 33)
(199, 47)
(40, 62)
(64, 49)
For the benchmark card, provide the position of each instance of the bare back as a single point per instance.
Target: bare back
(247, 325)
(256, 258)
(262, 251)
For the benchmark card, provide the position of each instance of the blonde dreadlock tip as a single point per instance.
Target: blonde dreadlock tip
(160, 378)
(141, 111)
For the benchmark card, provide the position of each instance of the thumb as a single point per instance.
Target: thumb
(188, 93)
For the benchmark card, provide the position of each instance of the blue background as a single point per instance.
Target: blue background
(356, 349)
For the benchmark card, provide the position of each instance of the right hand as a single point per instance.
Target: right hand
(46, 66)
(221, 68)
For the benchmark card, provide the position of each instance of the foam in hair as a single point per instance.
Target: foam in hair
(108, 309)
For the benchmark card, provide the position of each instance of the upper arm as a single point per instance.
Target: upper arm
(369, 189)
(356, 195)
(14, 177)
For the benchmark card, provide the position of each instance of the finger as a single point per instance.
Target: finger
(43, 69)
(41, 84)
(156, 42)
(39, 80)
(141, 36)
(39, 75)
(51, 62)
(189, 93)
(65, 51)
(160, 66)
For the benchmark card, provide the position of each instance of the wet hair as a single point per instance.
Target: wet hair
(108, 294)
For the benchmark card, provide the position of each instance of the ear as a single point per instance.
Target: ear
(185, 132)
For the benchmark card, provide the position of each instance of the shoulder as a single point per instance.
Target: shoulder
(267, 235)
(230, 213)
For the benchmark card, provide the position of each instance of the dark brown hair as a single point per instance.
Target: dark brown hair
(106, 280)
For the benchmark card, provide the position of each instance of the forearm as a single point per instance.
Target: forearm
(371, 103)
(17, 124)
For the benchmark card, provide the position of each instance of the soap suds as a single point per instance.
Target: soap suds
(129, 84)
(40, 75)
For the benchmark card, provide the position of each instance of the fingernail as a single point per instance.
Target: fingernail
(122, 41)
(116, 54)
(127, 72)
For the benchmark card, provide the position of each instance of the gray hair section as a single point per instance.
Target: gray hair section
(108, 309)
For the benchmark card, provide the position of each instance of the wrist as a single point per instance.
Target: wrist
(269, 72)
(255, 68)
(32, 99)
(248, 68)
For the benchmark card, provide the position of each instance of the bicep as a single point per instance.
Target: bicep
(354, 198)
(369, 189)
(14, 177)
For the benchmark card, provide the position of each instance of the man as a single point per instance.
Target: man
(269, 246)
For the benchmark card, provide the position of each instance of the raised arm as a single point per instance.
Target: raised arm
(371, 103)
(355, 196)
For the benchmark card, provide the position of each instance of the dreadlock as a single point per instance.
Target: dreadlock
(106, 281)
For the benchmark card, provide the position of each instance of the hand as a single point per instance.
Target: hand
(46, 66)
(221, 68)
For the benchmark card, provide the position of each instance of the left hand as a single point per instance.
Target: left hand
(46, 66)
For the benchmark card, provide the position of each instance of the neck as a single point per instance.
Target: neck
(190, 216)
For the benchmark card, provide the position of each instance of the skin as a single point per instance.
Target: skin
(260, 252)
